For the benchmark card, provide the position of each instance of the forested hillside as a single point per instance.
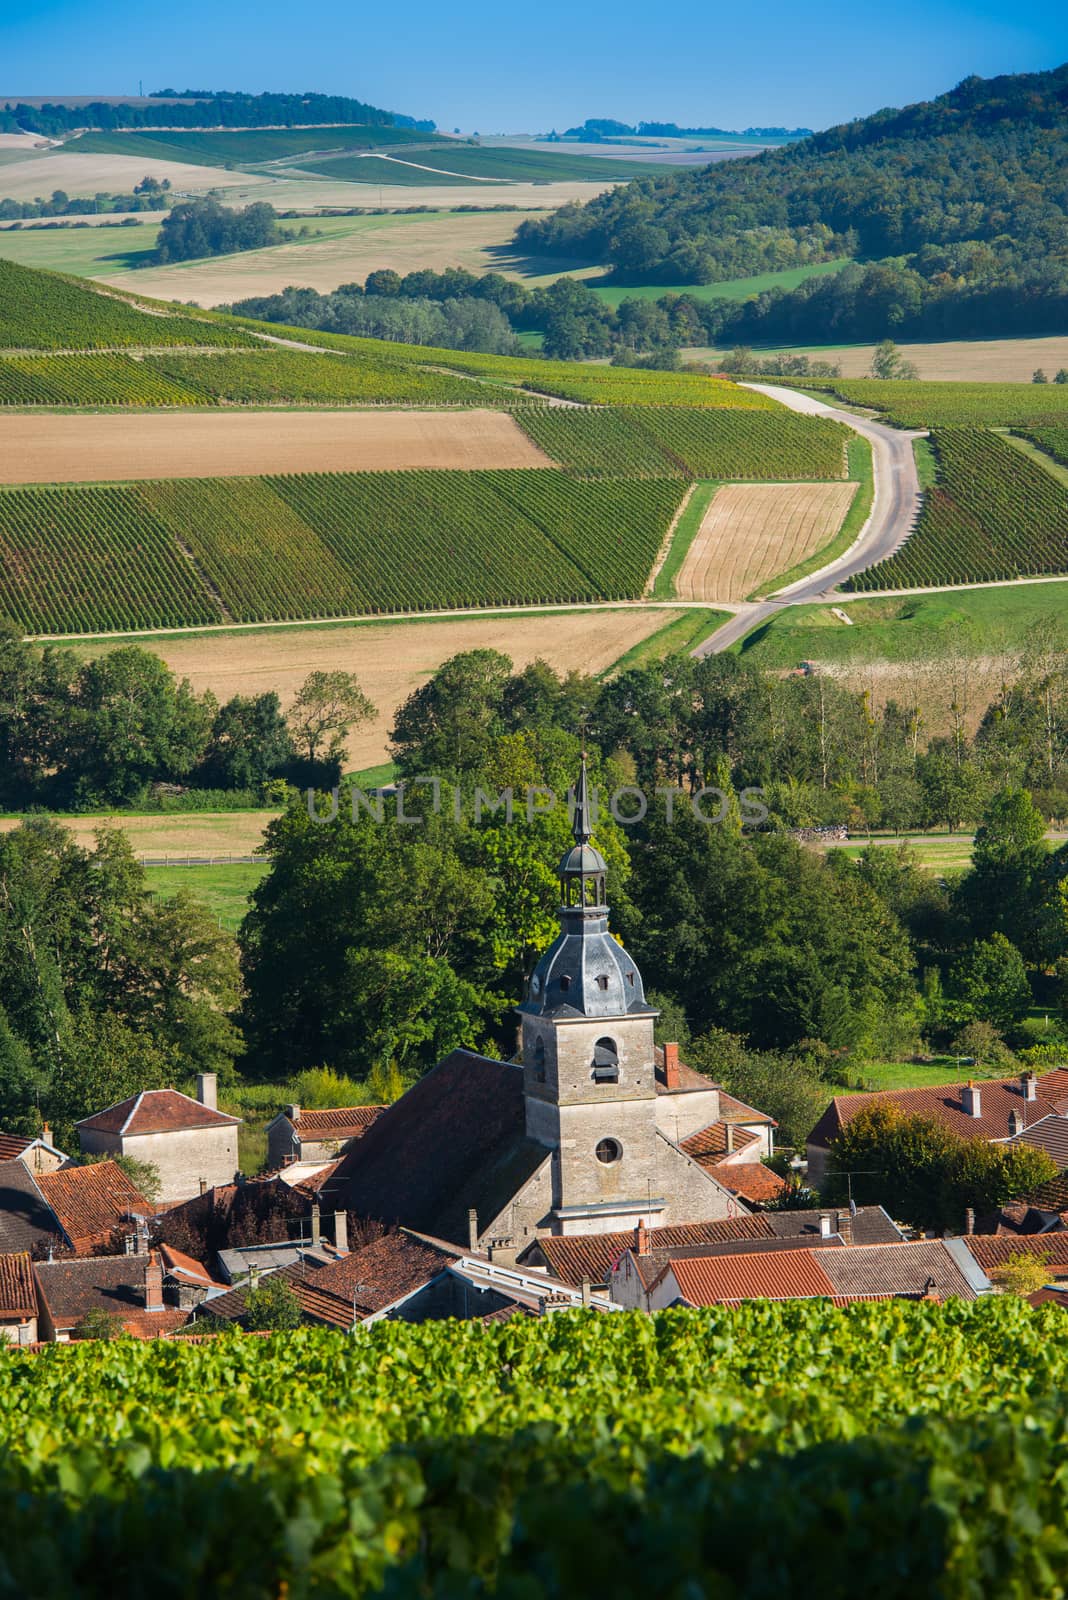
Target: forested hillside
(193, 108)
(956, 209)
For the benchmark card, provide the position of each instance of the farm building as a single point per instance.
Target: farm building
(191, 1143)
(300, 1134)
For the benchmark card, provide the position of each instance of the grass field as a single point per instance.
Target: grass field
(86, 252)
(752, 532)
(978, 622)
(179, 834)
(686, 531)
(251, 146)
(223, 889)
(728, 289)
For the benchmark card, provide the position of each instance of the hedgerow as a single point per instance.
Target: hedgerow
(774, 1449)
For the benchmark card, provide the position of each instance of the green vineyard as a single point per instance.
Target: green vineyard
(44, 311)
(182, 552)
(771, 1450)
(105, 380)
(216, 147)
(266, 377)
(1053, 440)
(770, 446)
(911, 404)
(597, 442)
(994, 513)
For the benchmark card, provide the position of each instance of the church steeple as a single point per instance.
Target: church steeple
(585, 972)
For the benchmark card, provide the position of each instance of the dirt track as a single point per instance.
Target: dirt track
(753, 531)
(69, 448)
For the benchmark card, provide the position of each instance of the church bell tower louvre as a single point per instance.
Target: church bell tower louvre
(588, 1061)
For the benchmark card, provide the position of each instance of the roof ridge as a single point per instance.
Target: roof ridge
(134, 1109)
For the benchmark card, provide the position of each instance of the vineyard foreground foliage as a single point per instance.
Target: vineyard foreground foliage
(778, 1448)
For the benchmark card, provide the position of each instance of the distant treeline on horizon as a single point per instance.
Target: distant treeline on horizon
(597, 128)
(220, 109)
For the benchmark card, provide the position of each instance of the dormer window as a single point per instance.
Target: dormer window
(602, 981)
(605, 1062)
(565, 983)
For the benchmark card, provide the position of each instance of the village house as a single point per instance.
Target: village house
(830, 1270)
(127, 1287)
(299, 1134)
(27, 1221)
(39, 1155)
(18, 1299)
(191, 1143)
(997, 1109)
(585, 1135)
(96, 1206)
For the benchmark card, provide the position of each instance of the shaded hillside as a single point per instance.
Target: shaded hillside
(963, 202)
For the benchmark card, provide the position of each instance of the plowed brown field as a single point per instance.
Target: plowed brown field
(69, 448)
(754, 531)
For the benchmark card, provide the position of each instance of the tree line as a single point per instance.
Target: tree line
(219, 108)
(148, 195)
(205, 228)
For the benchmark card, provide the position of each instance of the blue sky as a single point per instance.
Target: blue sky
(503, 67)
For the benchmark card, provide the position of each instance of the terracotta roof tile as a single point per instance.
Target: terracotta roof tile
(751, 1179)
(91, 1202)
(18, 1288)
(386, 1269)
(771, 1275)
(343, 1122)
(712, 1143)
(993, 1250)
(12, 1145)
(1047, 1133)
(593, 1255)
(1049, 1297)
(997, 1098)
(737, 1111)
(1049, 1196)
(186, 1268)
(155, 1111)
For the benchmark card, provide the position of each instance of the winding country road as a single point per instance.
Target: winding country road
(894, 508)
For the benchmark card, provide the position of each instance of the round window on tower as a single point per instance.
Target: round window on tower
(608, 1150)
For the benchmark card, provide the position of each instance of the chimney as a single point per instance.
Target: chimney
(46, 1134)
(971, 1100)
(153, 1283)
(844, 1225)
(341, 1232)
(671, 1066)
(207, 1089)
(1015, 1123)
(317, 1226)
(826, 1228)
(969, 1220)
(293, 1113)
(1029, 1085)
(641, 1239)
(730, 1137)
(587, 1292)
(472, 1229)
(203, 1185)
(555, 1300)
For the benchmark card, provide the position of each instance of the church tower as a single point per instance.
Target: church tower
(588, 1063)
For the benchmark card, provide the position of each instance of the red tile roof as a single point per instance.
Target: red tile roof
(592, 1255)
(343, 1122)
(1047, 1133)
(155, 1111)
(91, 1202)
(771, 1275)
(732, 1110)
(1049, 1196)
(993, 1250)
(711, 1144)
(315, 1181)
(12, 1146)
(751, 1179)
(186, 1268)
(1049, 1297)
(18, 1289)
(997, 1098)
(386, 1269)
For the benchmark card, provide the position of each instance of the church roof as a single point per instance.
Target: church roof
(456, 1140)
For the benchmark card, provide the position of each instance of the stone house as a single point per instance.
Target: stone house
(129, 1287)
(299, 1134)
(38, 1155)
(191, 1143)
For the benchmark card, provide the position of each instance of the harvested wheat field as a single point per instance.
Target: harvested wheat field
(755, 531)
(97, 447)
(392, 658)
(179, 833)
(955, 360)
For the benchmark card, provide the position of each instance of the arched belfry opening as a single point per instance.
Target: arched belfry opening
(605, 1061)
